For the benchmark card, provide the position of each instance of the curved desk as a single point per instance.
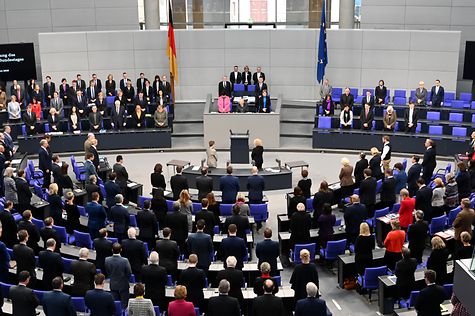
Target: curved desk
(274, 181)
(128, 139)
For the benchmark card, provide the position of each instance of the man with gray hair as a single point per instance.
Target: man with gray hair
(83, 272)
(154, 277)
(311, 305)
(178, 223)
(45, 162)
(255, 186)
(234, 276)
(134, 250)
(223, 304)
(121, 218)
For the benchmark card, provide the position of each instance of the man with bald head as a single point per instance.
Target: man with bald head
(134, 250)
(155, 279)
(83, 272)
(255, 186)
(223, 304)
(354, 215)
(268, 304)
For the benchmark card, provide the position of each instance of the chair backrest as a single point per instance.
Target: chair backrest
(23, 130)
(399, 101)
(47, 129)
(335, 248)
(418, 127)
(39, 294)
(449, 96)
(79, 304)
(379, 184)
(133, 220)
(459, 131)
(413, 298)
(83, 239)
(196, 207)
(67, 265)
(380, 213)
(433, 116)
(225, 209)
(396, 207)
(437, 224)
(197, 311)
(371, 276)
(435, 129)
(299, 247)
(238, 87)
(336, 93)
(354, 91)
(251, 88)
(157, 310)
(448, 288)
(5, 287)
(458, 104)
(169, 205)
(278, 280)
(259, 211)
(465, 96)
(38, 223)
(324, 122)
(82, 210)
(62, 234)
(456, 117)
(452, 215)
(118, 308)
(400, 93)
(309, 204)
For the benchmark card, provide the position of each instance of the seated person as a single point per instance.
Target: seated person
(241, 107)
(101, 103)
(36, 108)
(29, 118)
(73, 119)
(54, 120)
(328, 106)
(366, 117)
(140, 100)
(224, 104)
(95, 120)
(161, 98)
(389, 119)
(138, 117)
(264, 105)
(346, 117)
(224, 87)
(161, 116)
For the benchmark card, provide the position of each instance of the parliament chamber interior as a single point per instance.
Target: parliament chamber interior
(237, 157)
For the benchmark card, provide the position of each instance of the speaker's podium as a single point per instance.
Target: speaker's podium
(239, 147)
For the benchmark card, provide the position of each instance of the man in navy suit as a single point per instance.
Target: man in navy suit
(80, 102)
(98, 301)
(437, 94)
(200, 244)
(89, 166)
(429, 300)
(112, 189)
(118, 116)
(413, 175)
(268, 251)
(45, 162)
(255, 186)
(121, 218)
(311, 305)
(97, 215)
(354, 215)
(233, 246)
(97, 83)
(56, 302)
(229, 186)
(119, 271)
(429, 161)
(24, 301)
(51, 262)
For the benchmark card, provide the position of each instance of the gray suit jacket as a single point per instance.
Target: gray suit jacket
(58, 105)
(325, 90)
(140, 306)
(119, 271)
(10, 190)
(422, 95)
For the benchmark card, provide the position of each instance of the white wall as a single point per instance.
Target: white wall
(287, 57)
(454, 15)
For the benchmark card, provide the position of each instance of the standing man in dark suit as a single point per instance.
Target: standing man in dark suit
(241, 222)
(98, 301)
(81, 84)
(268, 251)
(194, 281)
(121, 218)
(311, 305)
(233, 246)
(155, 279)
(368, 99)
(24, 301)
(229, 186)
(29, 118)
(112, 189)
(33, 231)
(23, 192)
(347, 98)
(268, 304)
(429, 161)
(48, 89)
(80, 101)
(141, 82)
(147, 224)
(258, 74)
(234, 277)
(123, 81)
(165, 86)
(168, 252)
(9, 227)
(51, 262)
(204, 184)
(103, 247)
(201, 245)
(354, 215)
(25, 258)
(176, 222)
(368, 192)
(178, 183)
(411, 115)
(421, 94)
(417, 236)
(56, 302)
(413, 174)
(260, 86)
(97, 215)
(388, 191)
(121, 174)
(366, 117)
(207, 216)
(83, 272)
(405, 269)
(424, 199)
(429, 299)
(223, 304)
(224, 87)
(255, 186)
(360, 166)
(44, 162)
(246, 77)
(437, 94)
(235, 76)
(119, 271)
(118, 116)
(134, 250)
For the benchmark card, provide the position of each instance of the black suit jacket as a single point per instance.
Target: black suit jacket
(210, 221)
(375, 166)
(100, 303)
(49, 90)
(405, 269)
(347, 99)
(29, 120)
(233, 246)
(9, 229)
(33, 234)
(360, 166)
(256, 185)
(118, 118)
(368, 191)
(168, 253)
(413, 174)
(388, 189)
(178, 223)
(259, 90)
(165, 87)
(204, 184)
(194, 280)
(110, 88)
(235, 78)
(437, 98)
(235, 279)
(155, 279)
(222, 90)
(81, 84)
(52, 265)
(242, 223)
(417, 236)
(423, 200)
(223, 305)
(25, 258)
(44, 160)
(268, 304)
(140, 85)
(354, 215)
(365, 100)
(83, 272)
(122, 175)
(134, 250)
(24, 301)
(429, 300)
(366, 119)
(178, 183)
(429, 161)
(256, 80)
(415, 117)
(148, 225)
(103, 247)
(49, 232)
(268, 251)
(300, 224)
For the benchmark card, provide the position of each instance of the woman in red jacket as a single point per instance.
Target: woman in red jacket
(180, 307)
(394, 242)
(406, 209)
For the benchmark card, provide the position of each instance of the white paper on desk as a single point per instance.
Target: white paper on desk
(77, 190)
(131, 184)
(16, 161)
(392, 278)
(195, 168)
(273, 170)
(166, 192)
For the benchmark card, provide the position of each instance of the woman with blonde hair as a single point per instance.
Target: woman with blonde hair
(438, 204)
(243, 207)
(394, 242)
(55, 204)
(186, 207)
(437, 260)
(346, 178)
(375, 164)
(212, 156)
(257, 153)
(10, 186)
(364, 246)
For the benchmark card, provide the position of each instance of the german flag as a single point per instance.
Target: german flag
(171, 48)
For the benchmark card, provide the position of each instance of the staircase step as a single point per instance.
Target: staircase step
(297, 128)
(295, 142)
(184, 127)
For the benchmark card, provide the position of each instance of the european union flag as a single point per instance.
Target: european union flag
(322, 48)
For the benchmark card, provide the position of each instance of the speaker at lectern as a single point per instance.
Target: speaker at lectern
(239, 147)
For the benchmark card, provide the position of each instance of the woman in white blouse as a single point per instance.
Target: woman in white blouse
(74, 119)
(14, 110)
(346, 117)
